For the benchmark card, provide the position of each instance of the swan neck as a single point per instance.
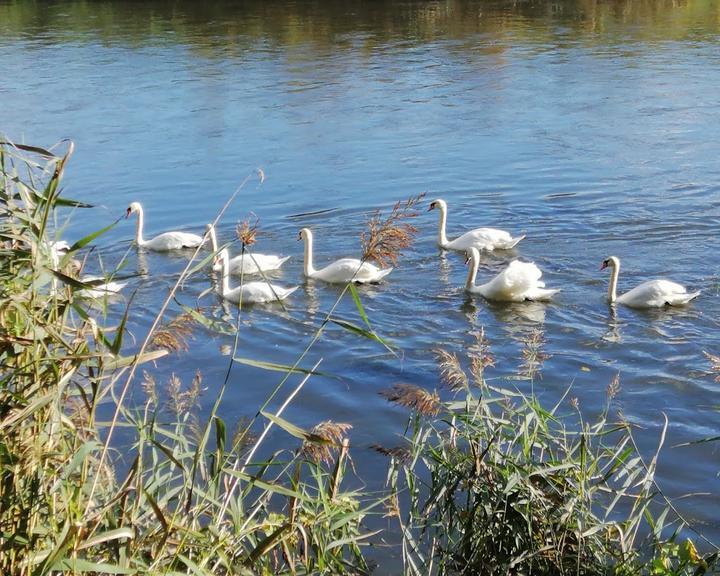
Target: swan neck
(309, 269)
(472, 273)
(612, 288)
(213, 238)
(442, 238)
(225, 284)
(139, 227)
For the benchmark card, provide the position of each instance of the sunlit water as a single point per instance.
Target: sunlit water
(591, 128)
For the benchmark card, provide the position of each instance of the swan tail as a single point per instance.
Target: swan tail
(513, 242)
(680, 299)
(376, 277)
(283, 260)
(543, 294)
(287, 292)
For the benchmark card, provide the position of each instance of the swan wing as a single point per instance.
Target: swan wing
(259, 292)
(254, 264)
(518, 282)
(174, 241)
(657, 293)
(485, 239)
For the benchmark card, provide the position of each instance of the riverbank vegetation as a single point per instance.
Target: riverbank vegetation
(489, 480)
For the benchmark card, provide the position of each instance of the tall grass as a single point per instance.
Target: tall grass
(488, 482)
(493, 482)
(70, 503)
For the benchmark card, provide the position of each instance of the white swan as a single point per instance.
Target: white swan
(165, 241)
(249, 292)
(480, 238)
(341, 271)
(99, 290)
(520, 281)
(247, 264)
(650, 294)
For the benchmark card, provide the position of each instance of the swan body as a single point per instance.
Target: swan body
(480, 238)
(518, 282)
(163, 242)
(100, 290)
(650, 294)
(247, 264)
(343, 270)
(249, 292)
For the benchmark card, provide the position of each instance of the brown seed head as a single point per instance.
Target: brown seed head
(413, 397)
(323, 440)
(385, 238)
(451, 372)
(247, 232)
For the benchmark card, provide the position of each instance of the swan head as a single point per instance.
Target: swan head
(134, 207)
(471, 255)
(304, 234)
(610, 262)
(221, 259)
(439, 203)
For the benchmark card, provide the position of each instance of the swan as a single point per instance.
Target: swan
(247, 264)
(520, 281)
(99, 290)
(650, 294)
(249, 292)
(165, 241)
(341, 271)
(480, 238)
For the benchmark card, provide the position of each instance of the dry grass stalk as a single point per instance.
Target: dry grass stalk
(182, 401)
(243, 437)
(324, 438)
(386, 238)
(413, 397)
(533, 356)
(613, 388)
(451, 373)
(174, 335)
(149, 387)
(480, 357)
(247, 232)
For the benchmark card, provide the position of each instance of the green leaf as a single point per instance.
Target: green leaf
(288, 427)
(279, 367)
(358, 304)
(80, 566)
(362, 332)
(107, 536)
(90, 237)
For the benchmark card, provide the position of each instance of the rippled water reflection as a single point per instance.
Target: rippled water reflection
(591, 127)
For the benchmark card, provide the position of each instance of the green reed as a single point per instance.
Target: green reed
(493, 482)
(69, 502)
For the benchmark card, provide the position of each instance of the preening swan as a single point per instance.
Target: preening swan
(165, 241)
(650, 294)
(249, 292)
(246, 264)
(480, 238)
(520, 281)
(341, 271)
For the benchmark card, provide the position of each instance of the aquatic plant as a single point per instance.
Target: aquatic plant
(70, 501)
(493, 482)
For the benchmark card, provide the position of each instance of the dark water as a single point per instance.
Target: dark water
(593, 127)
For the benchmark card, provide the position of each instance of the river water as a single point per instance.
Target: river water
(592, 127)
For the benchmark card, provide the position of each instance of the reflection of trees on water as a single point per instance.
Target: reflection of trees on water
(491, 27)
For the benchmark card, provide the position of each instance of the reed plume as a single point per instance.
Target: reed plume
(324, 438)
(174, 335)
(385, 238)
(247, 232)
(451, 373)
(413, 397)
